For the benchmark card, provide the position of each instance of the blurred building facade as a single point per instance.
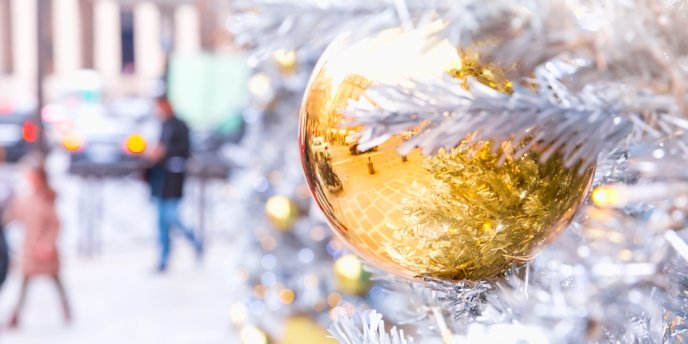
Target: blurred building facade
(126, 41)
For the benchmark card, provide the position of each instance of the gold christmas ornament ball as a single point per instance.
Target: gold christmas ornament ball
(350, 276)
(282, 212)
(460, 214)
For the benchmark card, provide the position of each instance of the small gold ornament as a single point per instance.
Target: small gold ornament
(302, 330)
(461, 214)
(282, 212)
(350, 276)
(285, 60)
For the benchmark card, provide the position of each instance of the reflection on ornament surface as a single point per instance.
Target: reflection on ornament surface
(456, 215)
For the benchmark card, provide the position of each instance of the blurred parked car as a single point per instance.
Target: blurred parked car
(353, 149)
(17, 132)
(352, 142)
(78, 92)
(320, 145)
(102, 144)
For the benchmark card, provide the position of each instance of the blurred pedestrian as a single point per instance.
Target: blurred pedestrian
(4, 256)
(166, 178)
(5, 194)
(34, 209)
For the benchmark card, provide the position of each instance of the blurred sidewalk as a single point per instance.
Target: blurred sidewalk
(116, 298)
(127, 220)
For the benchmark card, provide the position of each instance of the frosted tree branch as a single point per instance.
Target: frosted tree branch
(268, 25)
(368, 329)
(578, 125)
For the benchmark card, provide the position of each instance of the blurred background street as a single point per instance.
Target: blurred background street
(109, 268)
(118, 299)
(151, 186)
(78, 84)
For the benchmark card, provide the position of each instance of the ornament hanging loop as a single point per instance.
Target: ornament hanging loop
(404, 14)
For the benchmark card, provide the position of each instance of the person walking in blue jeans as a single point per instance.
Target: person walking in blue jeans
(166, 179)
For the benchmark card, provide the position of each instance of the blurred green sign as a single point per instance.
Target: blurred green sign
(208, 91)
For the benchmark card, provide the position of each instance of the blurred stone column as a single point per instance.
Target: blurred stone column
(147, 41)
(86, 33)
(107, 40)
(23, 19)
(5, 37)
(186, 29)
(44, 51)
(65, 36)
(167, 29)
(208, 14)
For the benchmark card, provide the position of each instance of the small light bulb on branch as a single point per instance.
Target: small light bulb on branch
(621, 195)
(605, 196)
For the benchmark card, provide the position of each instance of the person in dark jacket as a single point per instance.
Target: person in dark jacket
(166, 178)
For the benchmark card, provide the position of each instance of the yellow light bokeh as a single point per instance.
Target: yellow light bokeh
(136, 144)
(282, 212)
(349, 266)
(303, 330)
(238, 313)
(286, 60)
(72, 142)
(350, 276)
(259, 291)
(260, 85)
(278, 206)
(606, 196)
(333, 299)
(286, 296)
(253, 335)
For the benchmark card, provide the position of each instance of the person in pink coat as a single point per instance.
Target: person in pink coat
(34, 210)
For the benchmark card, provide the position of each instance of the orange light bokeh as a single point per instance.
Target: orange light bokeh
(136, 144)
(72, 142)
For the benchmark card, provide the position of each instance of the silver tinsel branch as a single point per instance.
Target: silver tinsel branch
(576, 125)
(637, 42)
(613, 63)
(368, 328)
(268, 25)
(603, 70)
